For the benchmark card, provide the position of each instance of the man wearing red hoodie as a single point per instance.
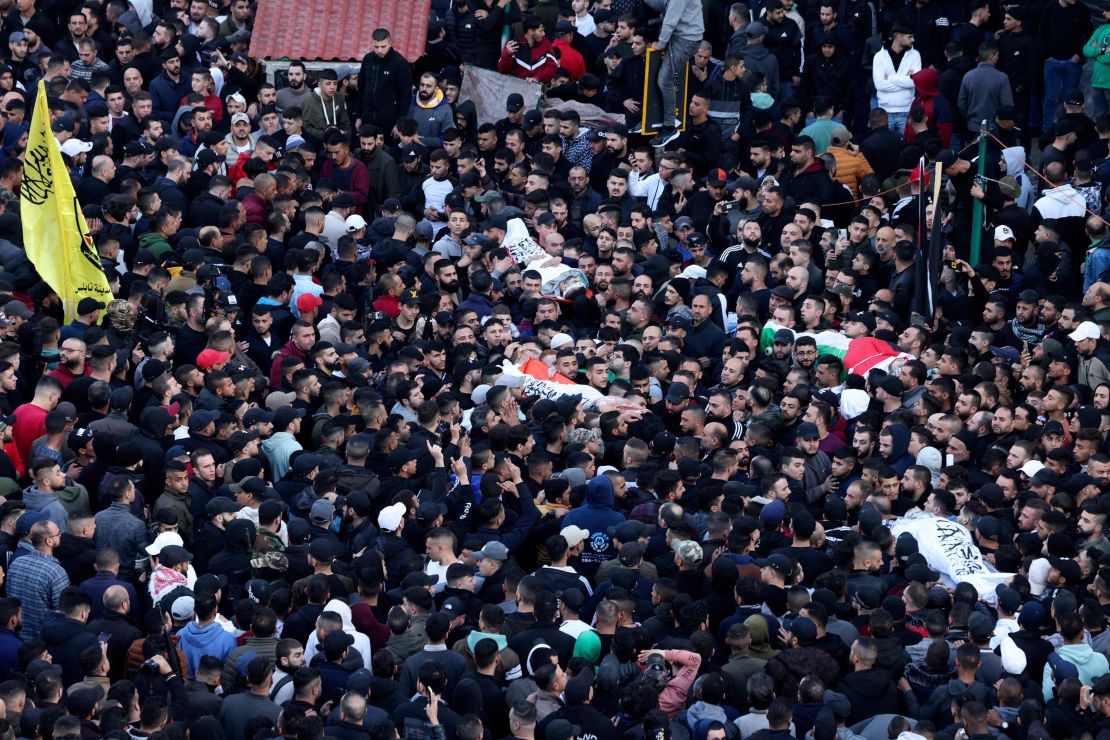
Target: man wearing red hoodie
(530, 56)
(569, 58)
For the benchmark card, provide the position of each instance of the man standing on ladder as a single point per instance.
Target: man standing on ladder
(679, 36)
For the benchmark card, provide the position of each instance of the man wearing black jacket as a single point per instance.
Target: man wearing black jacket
(1017, 57)
(385, 82)
(1064, 27)
(701, 141)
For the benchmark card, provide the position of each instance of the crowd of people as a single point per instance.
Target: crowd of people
(405, 424)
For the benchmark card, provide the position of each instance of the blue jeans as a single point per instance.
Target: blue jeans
(670, 74)
(1100, 102)
(1060, 77)
(896, 122)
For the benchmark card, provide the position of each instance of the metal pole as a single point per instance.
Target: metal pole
(977, 204)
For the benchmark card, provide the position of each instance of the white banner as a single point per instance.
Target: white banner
(534, 386)
(559, 281)
(488, 88)
(951, 551)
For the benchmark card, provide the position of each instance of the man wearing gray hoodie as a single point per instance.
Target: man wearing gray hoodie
(42, 494)
(679, 36)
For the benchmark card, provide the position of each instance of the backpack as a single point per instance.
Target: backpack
(286, 680)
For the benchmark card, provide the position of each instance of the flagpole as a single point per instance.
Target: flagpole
(937, 216)
(977, 203)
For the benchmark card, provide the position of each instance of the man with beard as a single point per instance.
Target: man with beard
(297, 91)
(447, 278)
(615, 154)
(325, 361)
(1025, 326)
(72, 365)
(384, 82)
(384, 181)
(863, 442)
(750, 237)
(586, 198)
(705, 340)
(732, 374)
(719, 410)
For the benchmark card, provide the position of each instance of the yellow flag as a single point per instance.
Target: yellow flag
(55, 234)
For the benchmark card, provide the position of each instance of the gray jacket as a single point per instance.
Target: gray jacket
(982, 91)
(119, 529)
(682, 19)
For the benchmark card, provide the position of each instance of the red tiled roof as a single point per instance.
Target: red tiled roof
(336, 29)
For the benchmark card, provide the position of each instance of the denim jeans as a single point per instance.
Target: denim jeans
(1100, 102)
(670, 75)
(896, 122)
(1060, 77)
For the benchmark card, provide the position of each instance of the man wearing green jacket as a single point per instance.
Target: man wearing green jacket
(1098, 49)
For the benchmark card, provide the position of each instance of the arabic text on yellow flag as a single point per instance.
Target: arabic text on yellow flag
(55, 234)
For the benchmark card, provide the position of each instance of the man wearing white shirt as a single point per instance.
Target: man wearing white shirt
(436, 188)
(583, 21)
(441, 554)
(643, 183)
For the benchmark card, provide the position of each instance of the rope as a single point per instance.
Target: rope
(889, 190)
(1032, 169)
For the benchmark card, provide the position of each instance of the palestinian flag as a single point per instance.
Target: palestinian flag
(537, 379)
(858, 355)
(828, 342)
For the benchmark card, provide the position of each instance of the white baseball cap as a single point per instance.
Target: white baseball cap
(1085, 330)
(355, 222)
(574, 535)
(73, 147)
(1002, 233)
(390, 517)
(1031, 468)
(164, 540)
(240, 117)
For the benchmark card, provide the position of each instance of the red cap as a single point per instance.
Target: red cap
(915, 175)
(309, 302)
(209, 358)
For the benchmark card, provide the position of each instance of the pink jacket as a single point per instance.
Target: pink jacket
(673, 696)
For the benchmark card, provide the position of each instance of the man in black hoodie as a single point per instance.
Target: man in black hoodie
(234, 561)
(577, 711)
(66, 634)
(870, 690)
(544, 631)
(76, 551)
